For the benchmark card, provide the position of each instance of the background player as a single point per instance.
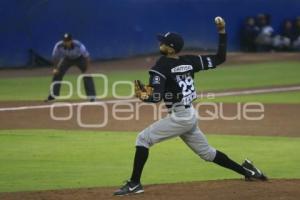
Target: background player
(172, 80)
(67, 53)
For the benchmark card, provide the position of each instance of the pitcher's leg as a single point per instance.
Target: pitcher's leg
(197, 141)
(159, 131)
(140, 158)
(223, 160)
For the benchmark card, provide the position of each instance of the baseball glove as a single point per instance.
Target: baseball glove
(143, 92)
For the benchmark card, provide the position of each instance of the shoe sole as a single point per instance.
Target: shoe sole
(262, 178)
(131, 193)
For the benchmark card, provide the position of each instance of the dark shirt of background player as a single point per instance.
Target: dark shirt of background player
(248, 34)
(296, 42)
(283, 41)
(264, 38)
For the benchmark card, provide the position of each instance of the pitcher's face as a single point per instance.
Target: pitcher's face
(165, 49)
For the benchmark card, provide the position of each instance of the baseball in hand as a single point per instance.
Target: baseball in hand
(220, 23)
(218, 20)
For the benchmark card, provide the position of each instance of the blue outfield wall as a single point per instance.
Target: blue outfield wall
(121, 28)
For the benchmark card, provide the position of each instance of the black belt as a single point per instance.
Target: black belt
(170, 110)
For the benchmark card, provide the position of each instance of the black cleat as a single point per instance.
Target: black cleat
(49, 99)
(252, 172)
(129, 188)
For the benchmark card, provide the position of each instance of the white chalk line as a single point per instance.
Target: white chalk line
(257, 91)
(207, 95)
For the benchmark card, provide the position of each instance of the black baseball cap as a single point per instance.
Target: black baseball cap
(173, 40)
(67, 37)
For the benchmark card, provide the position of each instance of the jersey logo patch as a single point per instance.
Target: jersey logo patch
(156, 80)
(182, 68)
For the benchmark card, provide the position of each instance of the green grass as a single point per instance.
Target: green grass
(249, 76)
(37, 88)
(285, 97)
(243, 76)
(52, 159)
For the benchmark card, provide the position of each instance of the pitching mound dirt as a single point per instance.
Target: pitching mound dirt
(208, 190)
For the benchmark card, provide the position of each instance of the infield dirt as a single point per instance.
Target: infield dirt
(278, 119)
(206, 190)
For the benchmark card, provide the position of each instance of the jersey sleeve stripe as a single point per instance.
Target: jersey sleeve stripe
(158, 73)
(56, 46)
(202, 67)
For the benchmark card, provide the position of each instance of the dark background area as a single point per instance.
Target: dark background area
(122, 28)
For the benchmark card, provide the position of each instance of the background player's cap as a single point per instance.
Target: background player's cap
(173, 40)
(67, 37)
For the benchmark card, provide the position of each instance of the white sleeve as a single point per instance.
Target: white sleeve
(83, 51)
(55, 53)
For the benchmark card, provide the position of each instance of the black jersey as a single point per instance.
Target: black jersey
(173, 78)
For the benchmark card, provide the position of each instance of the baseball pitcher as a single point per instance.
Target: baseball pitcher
(172, 80)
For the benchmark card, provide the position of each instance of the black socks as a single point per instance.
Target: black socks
(224, 161)
(140, 158)
(141, 155)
